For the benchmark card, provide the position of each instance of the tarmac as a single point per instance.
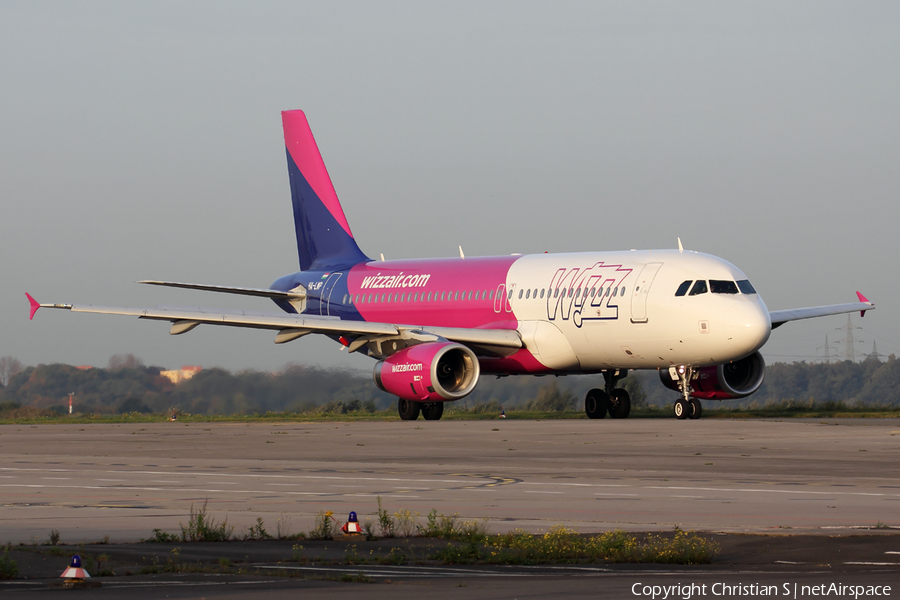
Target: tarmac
(765, 479)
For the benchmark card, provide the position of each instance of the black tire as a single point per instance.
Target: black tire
(408, 409)
(696, 409)
(596, 403)
(433, 411)
(620, 404)
(682, 409)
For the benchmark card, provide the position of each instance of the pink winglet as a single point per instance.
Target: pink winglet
(862, 298)
(34, 305)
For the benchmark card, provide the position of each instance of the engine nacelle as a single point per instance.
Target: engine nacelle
(724, 382)
(430, 372)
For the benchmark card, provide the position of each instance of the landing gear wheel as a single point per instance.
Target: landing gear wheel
(432, 411)
(682, 409)
(696, 409)
(408, 409)
(596, 403)
(620, 404)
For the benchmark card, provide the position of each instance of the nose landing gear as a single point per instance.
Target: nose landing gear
(686, 407)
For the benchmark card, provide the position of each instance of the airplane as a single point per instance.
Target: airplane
(435, 325)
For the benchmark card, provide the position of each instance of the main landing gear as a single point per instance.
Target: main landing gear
(612, 400)
(409, 410)
(686, 407)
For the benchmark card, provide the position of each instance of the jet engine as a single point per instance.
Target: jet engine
(724, 382)
(430, 372)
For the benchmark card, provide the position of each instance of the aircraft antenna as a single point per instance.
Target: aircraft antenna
(680, 247)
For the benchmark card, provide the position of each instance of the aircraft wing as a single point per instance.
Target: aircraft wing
(291, 327)
(780, 317)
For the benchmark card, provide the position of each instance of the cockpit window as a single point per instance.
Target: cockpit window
(722, 287)
(699, 288)
(745, 287)
(683, 288)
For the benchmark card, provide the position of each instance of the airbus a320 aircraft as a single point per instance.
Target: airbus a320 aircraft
(435, 326)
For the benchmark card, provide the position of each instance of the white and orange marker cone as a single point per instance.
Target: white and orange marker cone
(75, 571)
(352, 524)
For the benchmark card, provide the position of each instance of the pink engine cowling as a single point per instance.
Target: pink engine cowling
(724, 382)
(431, 372)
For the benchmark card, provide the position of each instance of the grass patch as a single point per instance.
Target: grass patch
(561, 545)
(8, 567)
(203, 528)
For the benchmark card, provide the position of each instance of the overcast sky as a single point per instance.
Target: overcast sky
(143, 140)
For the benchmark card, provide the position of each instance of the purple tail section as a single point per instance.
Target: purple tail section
(324, 239)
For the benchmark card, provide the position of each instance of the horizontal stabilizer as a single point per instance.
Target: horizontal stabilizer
(260, 292)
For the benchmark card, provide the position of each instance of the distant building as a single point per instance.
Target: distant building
(84, 367)
(183, 374)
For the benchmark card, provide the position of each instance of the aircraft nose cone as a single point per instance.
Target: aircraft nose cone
(748, 326)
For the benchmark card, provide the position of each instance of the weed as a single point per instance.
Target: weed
(103, 541)
(561, 545)
(456, 555)
(358, 578)
(385, 522)
(394, 557)
(880, 525)
(449, 527)
(258, 531)
(351, 556)
(54, 538)
(161, 537)
(224, 562)
(298, 553)
(283, 530)
(8, 567)
(325, 526)
(405, 522)
(368, 529)
(203, 528)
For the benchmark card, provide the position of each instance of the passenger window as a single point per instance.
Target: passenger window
(745, 287)
(722, 286)
(527, 294)
(578, 292)
(615, 291)
(683, 288)
(510, 295)
(542, 292)
(556, 293)
(622, 292)
(344, 301)
(520, 294)
(491, 295)
(699, 288)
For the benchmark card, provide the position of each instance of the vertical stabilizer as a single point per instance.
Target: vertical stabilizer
(324, 239)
